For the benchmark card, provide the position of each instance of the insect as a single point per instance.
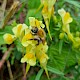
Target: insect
(39, 35)
(34, 30)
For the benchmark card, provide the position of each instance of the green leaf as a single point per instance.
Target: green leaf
(32, 77)
(12, 60)
(1, 40)
(39, 74)
(66, 58)
(56, 60)
(17, 54)
(75, 3)
(53, 70)
(33, 4)
(60, 46)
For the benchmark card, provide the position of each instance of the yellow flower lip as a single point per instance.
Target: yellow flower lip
(19, 27)
(26, 39)
(67, 18)
(29, 55)
(8, 38)
(29, 58)
(28, 36)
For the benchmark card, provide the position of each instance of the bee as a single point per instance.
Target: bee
(39, 35)
(34, 30)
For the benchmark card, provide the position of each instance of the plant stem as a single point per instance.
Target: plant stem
(5, 56)
(9, 70)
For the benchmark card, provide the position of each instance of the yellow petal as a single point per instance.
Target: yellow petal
(42, 48)
(25, 28)
(44, 2)
(29, 58)
(76, 44)
(41, 24)
(70, 37)
(17, 30)
(32, 21)
(51, 3)
(50, 8)
(26, 41)
(61, 36)
(67, 18)
(37, 23)
(66, 28)
(61, 12)
(45, 11)
(43, 59)
(24, 59)
(32, 61)
(8, 38)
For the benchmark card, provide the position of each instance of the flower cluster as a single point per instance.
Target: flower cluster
(33, 40)
(66, 19)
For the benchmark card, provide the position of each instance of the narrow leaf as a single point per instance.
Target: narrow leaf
(75, 3)
(39, 74)
(60, 46)
(53, 70)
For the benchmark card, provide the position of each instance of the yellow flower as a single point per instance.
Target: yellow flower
(76, 44)
(61, 36)
(43, 59)
(47, 12)
(66, 18)
(35, 23)
(41, 56)
(29, 58)
(8, 38)
(19, 29)
(66, 28)
(71, 38)
(30, 48)
(26, 39)
(41, 48)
